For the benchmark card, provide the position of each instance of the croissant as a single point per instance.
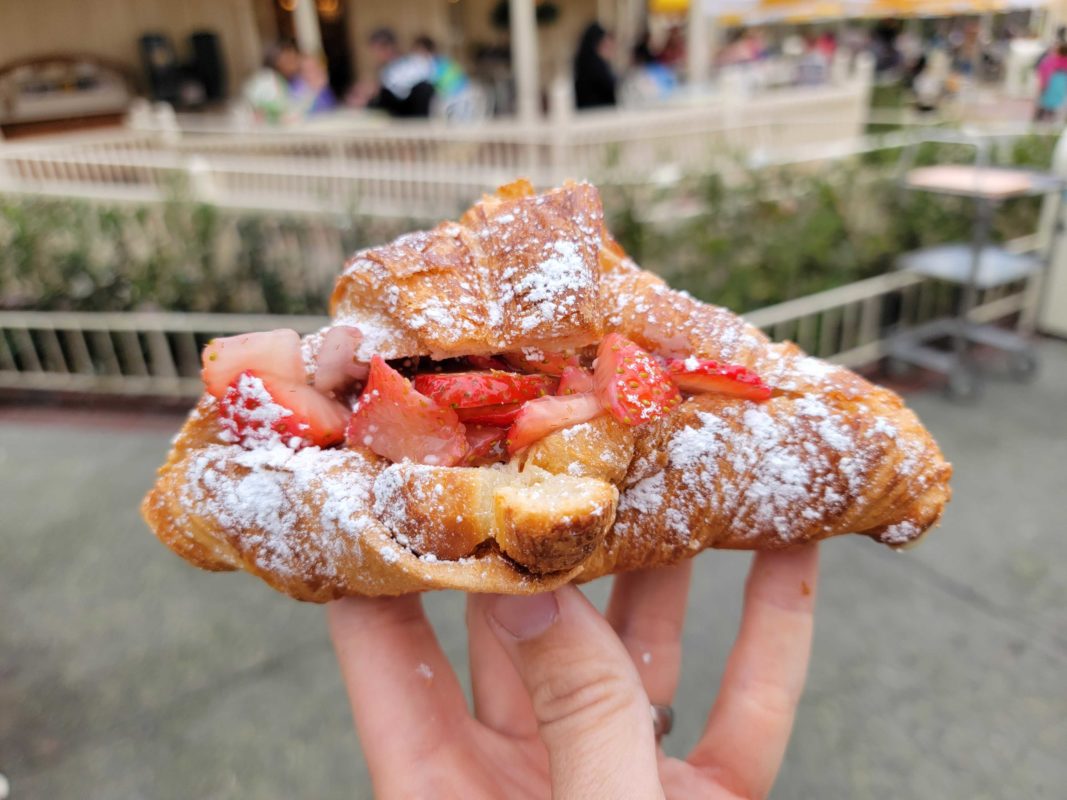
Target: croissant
(611, 423)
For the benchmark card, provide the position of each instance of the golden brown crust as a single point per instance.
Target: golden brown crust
(303, 522)
(519, 272)
(829, 454)
(542, 521)
(601, 448)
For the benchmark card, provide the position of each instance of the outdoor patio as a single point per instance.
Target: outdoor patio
(126, 673)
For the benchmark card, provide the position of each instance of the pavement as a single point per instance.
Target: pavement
(125, 673)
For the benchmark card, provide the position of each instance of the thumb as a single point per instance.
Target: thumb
(592, 712)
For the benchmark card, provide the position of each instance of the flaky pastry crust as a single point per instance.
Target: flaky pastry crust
(829, 454)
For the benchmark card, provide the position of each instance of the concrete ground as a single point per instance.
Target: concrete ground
(125, 673)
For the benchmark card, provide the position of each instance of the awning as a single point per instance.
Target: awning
(756, 12)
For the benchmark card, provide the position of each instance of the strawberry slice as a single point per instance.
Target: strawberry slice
(265, 409)
(473, 389)
(398, 423)
(631, 383)
(547, 363)
(500, 416)
(335, 363)
(487, 445)
(269, 353)
(575, 380)
(704, 375)
(542, 416)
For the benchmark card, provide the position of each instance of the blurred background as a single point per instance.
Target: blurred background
(878, 180)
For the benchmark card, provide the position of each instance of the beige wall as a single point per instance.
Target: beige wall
(111, 28)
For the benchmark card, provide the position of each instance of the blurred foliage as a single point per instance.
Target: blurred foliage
(753, 239)
(58, 254)
(781, 233)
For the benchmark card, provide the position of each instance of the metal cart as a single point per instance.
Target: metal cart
(975, 265)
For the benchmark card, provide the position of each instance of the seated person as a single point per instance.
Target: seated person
(405, 82)
(448, 79)
(310, 88)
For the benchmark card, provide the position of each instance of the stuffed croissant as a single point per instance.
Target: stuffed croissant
(508, 403)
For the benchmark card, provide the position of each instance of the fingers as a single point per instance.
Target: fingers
(593, 715)
(647, 610)
(405, 697)
(749, 727)
(500, 698)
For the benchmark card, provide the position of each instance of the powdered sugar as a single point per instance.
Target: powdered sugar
(249, 414)
(831, 426)
(772, 469)
(695, 449)
(272, 497)
(548, 290)
(778, 474)
(645, 496)
(900, 533)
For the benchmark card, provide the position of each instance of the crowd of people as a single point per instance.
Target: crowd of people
(421, 81)
(654, 73)
(292, 85)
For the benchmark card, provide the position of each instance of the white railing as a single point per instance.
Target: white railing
(427, 170)
(158, 354)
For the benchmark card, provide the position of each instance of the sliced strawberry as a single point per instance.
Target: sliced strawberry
(631, 383)
(472, 389)
(542, 416)
(263, 409)
(268, 353)
(575, 380)
(488, 362)
(397, 422)
(335, 363)
(501, 416)
(704, 375)
(487, 445)
(547, 363)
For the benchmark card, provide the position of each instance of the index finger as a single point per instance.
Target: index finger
(749, 727)
(405, 698)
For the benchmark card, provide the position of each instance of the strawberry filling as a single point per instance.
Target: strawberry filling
(264, 409)
(397, 422)
(631, 383)
(480, 389)
(491, 408)
(704, 375)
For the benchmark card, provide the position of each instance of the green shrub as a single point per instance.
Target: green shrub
(58, 254)
(760, 238)
(786, 232)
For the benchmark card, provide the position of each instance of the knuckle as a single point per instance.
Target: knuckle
(584, 695)
(771, 701)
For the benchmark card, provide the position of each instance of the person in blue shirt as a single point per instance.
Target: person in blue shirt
(649, 79)
(448, 78)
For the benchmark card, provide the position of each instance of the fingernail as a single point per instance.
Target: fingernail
(525, 616)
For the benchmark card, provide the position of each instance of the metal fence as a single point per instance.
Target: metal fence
(158, 354)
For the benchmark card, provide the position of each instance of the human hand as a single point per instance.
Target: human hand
(562, 694)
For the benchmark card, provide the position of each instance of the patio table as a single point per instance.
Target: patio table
(974, 266)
